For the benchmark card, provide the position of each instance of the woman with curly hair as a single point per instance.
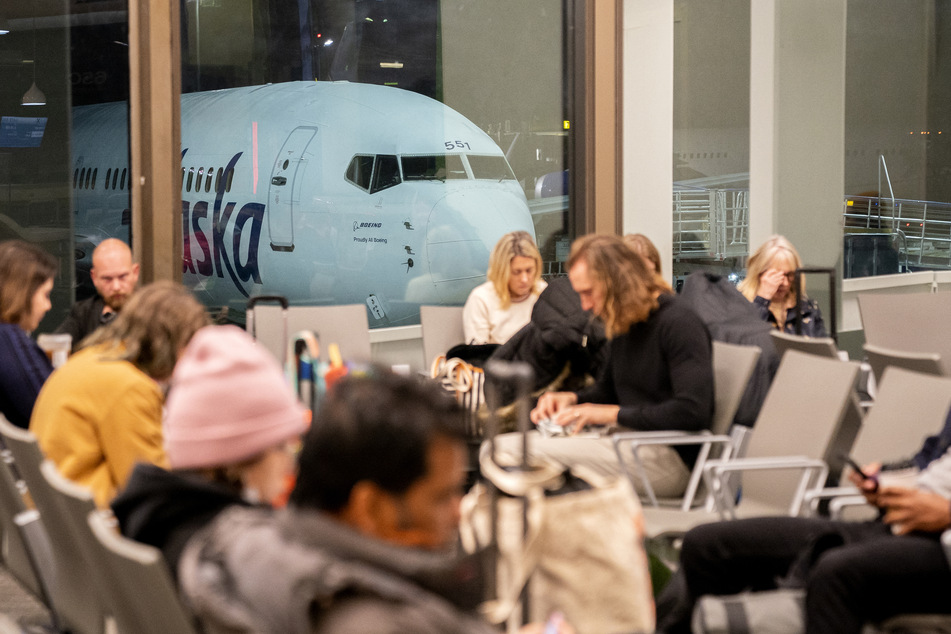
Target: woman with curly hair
(659, 373)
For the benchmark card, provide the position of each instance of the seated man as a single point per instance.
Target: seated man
(366, 544)
(114, 275)
(853, 572)
(101, 412)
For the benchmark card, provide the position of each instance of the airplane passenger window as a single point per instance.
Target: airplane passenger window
(95, 172)
(115, 178)
(230, 179)
(360, 170)
(88, 177)
(211, 171)
(439, 167)
(218, 179)
(82, 177)
(191, 177)
(122, 179)
(183, 178)
(75, 177)
(387, 173)
(490, 167)
(108, 174)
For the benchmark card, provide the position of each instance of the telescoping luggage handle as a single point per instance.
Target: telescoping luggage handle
(268, 299)
(833, 332)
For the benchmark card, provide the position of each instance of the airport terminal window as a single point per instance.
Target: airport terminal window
(360, 171)
(490, 167)
(386, 173)
(433, 167)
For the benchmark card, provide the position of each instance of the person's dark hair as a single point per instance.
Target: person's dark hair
(375, 428)
(24, 268)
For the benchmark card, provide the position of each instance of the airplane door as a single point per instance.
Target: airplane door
(284, 188)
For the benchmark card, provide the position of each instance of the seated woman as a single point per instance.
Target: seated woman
(658, 375)
(643, 246)
(771, 284)
(231, 430)
(26, 279)
(498, 308)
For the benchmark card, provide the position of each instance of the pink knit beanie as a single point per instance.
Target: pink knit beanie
(228, 402)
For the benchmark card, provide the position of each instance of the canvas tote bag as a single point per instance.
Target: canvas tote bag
(582, 552)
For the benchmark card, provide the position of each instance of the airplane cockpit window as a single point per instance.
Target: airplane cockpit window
(387, 173)
(360, 171)
(490, 167)
(434, 167)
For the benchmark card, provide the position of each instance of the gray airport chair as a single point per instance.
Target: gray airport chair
(19, 527)
(347, 326)
(799, 421)
(909, 407)
(732, 367)
(148, 602)
(913, 322)
(75, 600)
(880, 358)
(822, 346)
(442, 329)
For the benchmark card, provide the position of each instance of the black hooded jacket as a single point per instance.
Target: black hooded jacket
(560, 333)
(165, 508)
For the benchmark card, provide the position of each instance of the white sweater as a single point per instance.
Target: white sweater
(484, 321)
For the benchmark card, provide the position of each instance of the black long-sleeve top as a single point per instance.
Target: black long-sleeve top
(23, 370)
(660, 373)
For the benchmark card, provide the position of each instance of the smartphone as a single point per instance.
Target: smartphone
(858, 469)
(553, 624)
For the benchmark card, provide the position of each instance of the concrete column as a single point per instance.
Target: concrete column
(797, 125)
(648, 98)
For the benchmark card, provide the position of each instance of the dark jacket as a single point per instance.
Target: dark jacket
(84, 317)
(812, 323)
(560, 333)
(731, 318)
(23, 370)
(165, 508)
(302, 572)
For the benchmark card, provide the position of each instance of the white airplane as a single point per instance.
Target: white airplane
(324, 192)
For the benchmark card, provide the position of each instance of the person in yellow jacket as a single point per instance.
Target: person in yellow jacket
(101, 412)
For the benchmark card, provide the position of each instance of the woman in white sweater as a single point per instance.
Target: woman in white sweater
(498, 308)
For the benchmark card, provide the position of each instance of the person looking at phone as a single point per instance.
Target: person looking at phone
(853, 572)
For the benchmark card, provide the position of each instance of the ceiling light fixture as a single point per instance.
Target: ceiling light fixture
(34, 96)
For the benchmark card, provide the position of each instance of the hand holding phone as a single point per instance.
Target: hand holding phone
(858, 469)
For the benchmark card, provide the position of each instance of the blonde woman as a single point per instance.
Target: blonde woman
(771, 284)
(499, 307)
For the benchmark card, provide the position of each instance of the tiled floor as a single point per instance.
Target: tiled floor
(21, 607)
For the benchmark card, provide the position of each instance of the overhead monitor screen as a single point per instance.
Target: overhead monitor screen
(22, 131)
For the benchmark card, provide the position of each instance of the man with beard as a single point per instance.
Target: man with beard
(115, 276)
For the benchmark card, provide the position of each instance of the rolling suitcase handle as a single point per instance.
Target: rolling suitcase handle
(251, 326)
(832, 295)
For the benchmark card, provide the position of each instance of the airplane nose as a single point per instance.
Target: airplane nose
(463, 228)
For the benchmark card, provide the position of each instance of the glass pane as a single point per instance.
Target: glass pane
(50, 160)
(404, 89)
(897, 158)
(711, 134)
